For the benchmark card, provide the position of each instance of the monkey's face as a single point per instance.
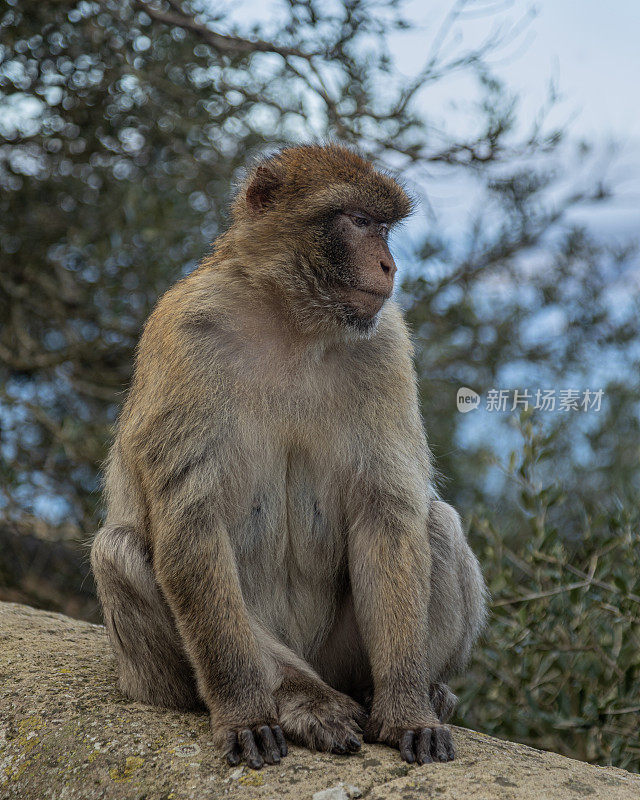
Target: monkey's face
(322, 215)
(360, 268)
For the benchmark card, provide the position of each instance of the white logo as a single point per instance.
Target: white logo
(467, 399)
(523, 399)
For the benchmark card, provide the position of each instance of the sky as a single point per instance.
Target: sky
(587, 48)
(590, 47)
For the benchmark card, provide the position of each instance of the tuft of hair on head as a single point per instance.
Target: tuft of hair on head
(311, 179)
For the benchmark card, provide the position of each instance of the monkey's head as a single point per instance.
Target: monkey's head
(317, 219)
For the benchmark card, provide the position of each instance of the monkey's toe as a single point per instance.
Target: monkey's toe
(425, 745)
(442, 748)
(263, 745)
(348, 743)
(331, 724)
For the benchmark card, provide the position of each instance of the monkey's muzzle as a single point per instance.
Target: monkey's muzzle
(366, 303)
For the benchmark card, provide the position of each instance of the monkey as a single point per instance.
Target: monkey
(275, 552)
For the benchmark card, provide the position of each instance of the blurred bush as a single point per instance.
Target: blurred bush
(558, 667)
(45, 573)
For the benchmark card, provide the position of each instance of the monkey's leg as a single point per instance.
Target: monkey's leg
(196, 570)
(152, 664)
(413, 630)
(456, 615)
(457, 604)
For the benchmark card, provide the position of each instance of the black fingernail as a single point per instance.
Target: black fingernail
(279, 737)
(406, 746)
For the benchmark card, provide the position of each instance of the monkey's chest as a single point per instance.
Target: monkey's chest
(290, 546)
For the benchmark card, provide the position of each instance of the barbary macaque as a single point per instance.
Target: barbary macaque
(274, 550)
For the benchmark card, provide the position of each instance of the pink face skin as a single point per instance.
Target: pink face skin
(373, 267)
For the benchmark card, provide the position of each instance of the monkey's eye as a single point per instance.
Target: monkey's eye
(383, 230)
(359, 220)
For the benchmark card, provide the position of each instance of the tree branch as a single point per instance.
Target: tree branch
(223, 43)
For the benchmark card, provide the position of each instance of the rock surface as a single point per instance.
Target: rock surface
(66, 733)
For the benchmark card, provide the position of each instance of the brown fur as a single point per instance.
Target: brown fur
(273, 540)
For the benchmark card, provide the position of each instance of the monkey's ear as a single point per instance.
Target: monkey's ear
(261, 192)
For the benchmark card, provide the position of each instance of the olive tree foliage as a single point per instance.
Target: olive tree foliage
(123, 126)
(558, 665)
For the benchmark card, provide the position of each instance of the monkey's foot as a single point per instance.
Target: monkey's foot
(263, 744)
(328, 722)
(421, 744)
(443, 701)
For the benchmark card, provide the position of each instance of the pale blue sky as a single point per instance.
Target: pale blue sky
(590, 47)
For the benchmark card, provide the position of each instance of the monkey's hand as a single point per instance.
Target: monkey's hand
(255, 739)
(422, 740)
(321, 718)
(258, 745)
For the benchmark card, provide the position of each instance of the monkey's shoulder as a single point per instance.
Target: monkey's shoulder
(191, 322)
(190, 300)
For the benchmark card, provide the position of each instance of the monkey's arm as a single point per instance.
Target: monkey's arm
(247, 678)
(195, 568)
(390, 568)
(177, 436)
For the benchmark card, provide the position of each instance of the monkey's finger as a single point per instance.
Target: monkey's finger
(345, 739)
(270, 750)
(451, 751)
(360, 718)
(249, 749)
(353, 743)
(406, 747)
(232, 750)
(233, 753)
(423, 747)
(438, 746)
(279, 737)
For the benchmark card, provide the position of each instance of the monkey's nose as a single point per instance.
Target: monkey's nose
(388, 267)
